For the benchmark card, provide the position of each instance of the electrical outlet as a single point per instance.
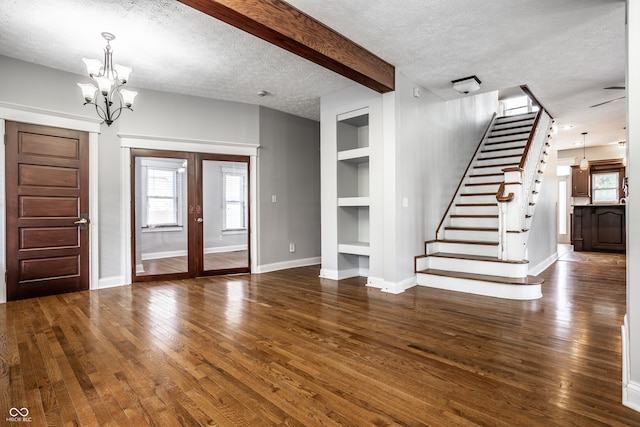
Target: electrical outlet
(292, 247)
(273, 198)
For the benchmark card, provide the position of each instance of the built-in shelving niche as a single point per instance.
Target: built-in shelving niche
(353, 191)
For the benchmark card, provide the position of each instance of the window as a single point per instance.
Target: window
(518, 105)
(235, 211)
(162, 192)
(605, 187)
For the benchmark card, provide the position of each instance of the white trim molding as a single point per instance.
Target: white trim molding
(630, 389)
(304, 262)
(42, 117)
(128, 142)
(392, 287)
(543, 265)
(189, 145)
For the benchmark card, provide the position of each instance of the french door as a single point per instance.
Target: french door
(190, 214)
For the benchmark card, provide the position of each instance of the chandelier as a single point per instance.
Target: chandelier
(110, 80)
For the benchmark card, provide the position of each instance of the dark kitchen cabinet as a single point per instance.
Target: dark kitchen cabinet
(579, 182)
(599, 228)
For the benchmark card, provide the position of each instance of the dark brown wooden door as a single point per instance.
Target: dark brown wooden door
(47, 191)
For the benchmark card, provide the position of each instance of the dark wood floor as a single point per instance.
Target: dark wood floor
(289, 348)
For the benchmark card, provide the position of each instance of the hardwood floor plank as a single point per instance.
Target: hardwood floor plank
(290, 348)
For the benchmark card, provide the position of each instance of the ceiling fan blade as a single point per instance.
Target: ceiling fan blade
(616, 87)
(606, 102)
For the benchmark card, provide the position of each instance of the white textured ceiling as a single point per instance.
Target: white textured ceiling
(566, 51)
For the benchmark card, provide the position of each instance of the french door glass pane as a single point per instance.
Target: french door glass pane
(225, 203)
(160, 205)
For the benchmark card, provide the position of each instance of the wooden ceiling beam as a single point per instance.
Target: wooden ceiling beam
(283, 25)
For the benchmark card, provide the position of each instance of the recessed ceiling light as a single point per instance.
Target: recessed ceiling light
(262, 93)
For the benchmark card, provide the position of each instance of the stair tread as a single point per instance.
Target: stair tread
(528, 280)
(500, 157)
(465, 242)
(473, 216)
(489, 229)
(483, 175)
(476, 194)
(477, 204)
(497, 165)
(475, 257)
(476, 184)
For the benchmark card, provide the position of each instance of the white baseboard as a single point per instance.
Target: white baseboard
(266, 268)
(111, 282)
(630, 389)
(392, 287)
(343, 274)
(542, 266)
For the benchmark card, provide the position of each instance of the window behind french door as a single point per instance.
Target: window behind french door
(190, 214)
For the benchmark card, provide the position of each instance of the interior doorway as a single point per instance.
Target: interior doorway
(47, 210)
(190, 214)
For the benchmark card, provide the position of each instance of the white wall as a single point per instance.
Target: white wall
(542, 247)
(631, 331)
(454, 129)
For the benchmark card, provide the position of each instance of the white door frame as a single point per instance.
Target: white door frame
(127, 142)
(36, 116)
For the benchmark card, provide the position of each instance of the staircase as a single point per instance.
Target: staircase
(480, 246)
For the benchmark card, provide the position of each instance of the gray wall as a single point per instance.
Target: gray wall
(289, 168)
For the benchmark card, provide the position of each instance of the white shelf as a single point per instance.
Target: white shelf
(354, 248)
(353, 201)
(356, 155)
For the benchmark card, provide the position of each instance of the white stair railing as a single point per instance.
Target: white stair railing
(518, 193)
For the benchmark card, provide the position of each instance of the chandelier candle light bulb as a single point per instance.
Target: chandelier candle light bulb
(110, 80)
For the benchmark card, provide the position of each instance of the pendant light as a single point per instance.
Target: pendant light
(110, 79)
(584, 163)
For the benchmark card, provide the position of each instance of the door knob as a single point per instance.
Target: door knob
(199, 220)
(82, 222)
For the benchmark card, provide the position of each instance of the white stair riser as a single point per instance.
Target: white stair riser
(489, 268)
(483, 179)
(471, 235)
(504, 132)
(498, 161)
(501, 125)
(487, 188)
(478, 199)
(477, 210)
(509, 152)
(474, 222)
(478, 287)
(505, 138)
(510, 119)
(464, 249)
(502, 145)
(494, 169)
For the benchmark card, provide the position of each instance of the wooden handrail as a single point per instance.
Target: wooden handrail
(484, 135)
(525, 153)
(500, 194)
(533, 99)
